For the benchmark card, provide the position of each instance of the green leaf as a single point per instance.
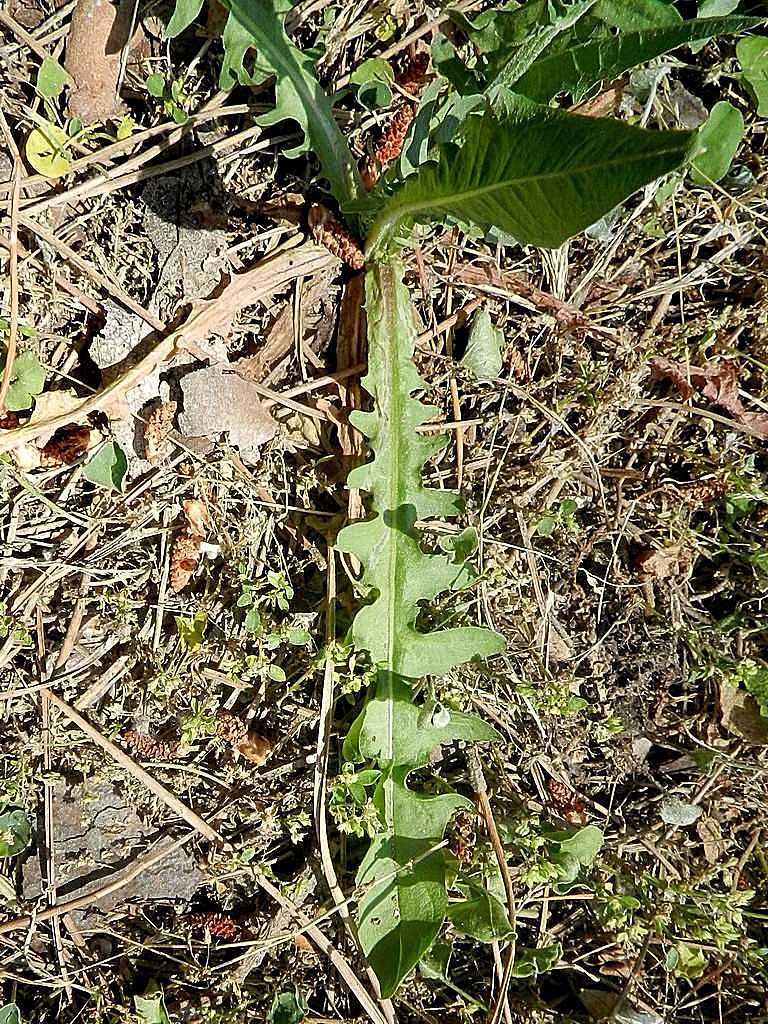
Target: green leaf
(9, 1014)
(47, 150)
(434, 963)
(155, 85)
(183, 15)
(298, 95)
(756, 683)
(373, 79)
(539, 174)
(125, 128)
(108, 467)
(523, 58)
(405, 901)
(637, 15)
(530, 962)
(483, 355)
(482, 917)
(27, 381)
(150, 1008)
(287, 1008)
(253, 621)
(51, 79)
(718, 141)
(15, 833)
(192, 631)
(583, 64)
(752, 54)
(583, 845)
(717, 8)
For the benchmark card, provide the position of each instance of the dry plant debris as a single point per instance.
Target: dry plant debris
(100, 30)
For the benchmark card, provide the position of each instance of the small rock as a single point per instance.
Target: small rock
(98, 834)
(217, 401)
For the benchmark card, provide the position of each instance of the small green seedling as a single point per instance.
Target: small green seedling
(15, 833)
(171, 92)
(27, 380)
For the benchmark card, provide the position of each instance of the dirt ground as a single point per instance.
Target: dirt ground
(163, 616)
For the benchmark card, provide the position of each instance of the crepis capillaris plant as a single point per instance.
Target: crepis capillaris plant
(494, 156)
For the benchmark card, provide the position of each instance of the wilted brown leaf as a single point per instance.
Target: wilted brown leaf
(66, 446)
(197, 516)
(741, 715)
(665, 563)
(255, 747)
(718, 382)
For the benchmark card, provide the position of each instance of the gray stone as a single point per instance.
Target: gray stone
(97, 836)
(217, 401)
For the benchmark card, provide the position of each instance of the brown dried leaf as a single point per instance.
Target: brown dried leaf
(665, 563)
(197, 516)
(711, 836)
(66, 446)
(157, 429)
(718, 382)
(184, 556)
(741, 715)
(255, 747)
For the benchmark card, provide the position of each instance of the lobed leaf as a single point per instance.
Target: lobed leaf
(258, 24)
(583, 64)
(405, 901)
(539, 174)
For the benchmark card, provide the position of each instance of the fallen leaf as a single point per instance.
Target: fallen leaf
(741, 715)
(711, 836)
(217, 401)
(66, 446)
(717, 381)
(665, 563)
(255, 748)
(197, 516)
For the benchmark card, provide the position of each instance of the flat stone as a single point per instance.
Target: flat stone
(98, 835)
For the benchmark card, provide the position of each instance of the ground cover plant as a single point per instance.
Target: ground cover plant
(481, 142)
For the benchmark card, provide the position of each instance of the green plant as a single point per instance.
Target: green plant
(170, 91)
(499, 160)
